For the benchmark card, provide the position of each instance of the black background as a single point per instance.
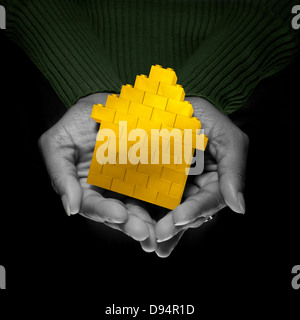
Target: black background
(237, 259)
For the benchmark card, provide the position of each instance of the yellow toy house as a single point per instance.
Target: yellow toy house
(137, 168)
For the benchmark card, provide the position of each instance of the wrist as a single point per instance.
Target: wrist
(94, 98)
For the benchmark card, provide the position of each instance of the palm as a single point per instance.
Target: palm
(68, 147)
(202, 196)
(98, 204)
(81, 132)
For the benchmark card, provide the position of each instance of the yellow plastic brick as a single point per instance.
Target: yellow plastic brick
(174, 92)
(187, 123)
(164, 117)
(116, 103)
(114, 171)
(197, 141)
(176, 190)
(142, 82)
(150, 169)
(174, 147)
(145, 194)
(106, 125)
(167, 201)
(99, 180)
(138, 135)
(158, 184)
(100, 113)
(169, 160)
(95, 166)
(183, 108)
(133, 94)
(140, 154)
(155, 101)
(140, 110)
(202, 142)
(148, 125)
(122, 150)
(122, 187)
(127, 165)
(137, 178)
(188, 156)
(172, 175)
(181, 167)
(130, 118)
(163, 75)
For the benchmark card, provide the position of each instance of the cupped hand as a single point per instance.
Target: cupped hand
(67, 150)
(221, 183)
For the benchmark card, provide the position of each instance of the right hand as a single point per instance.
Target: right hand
(67, 150)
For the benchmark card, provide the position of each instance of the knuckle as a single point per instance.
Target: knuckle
(55, 184)
(241, 176)
(44, 140)
(246, 139)
(242, 138)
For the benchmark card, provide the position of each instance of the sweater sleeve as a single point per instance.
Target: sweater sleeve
(255, 40)
(59, 40)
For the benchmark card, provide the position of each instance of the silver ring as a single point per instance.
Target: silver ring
(208, 218)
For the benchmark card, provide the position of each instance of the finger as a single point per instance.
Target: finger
(165, 228)
(203, 204)
(198, 222)
(206, 202)
(97, 208)
(114, 214)
(229, 147)
(136, 228)
(134, 206)
(164, 249)
(60, 164)
(203, 179)
(231, 160)
(189, 190)
(150, 244)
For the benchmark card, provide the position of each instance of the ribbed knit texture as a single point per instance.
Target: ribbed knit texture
(220, 50)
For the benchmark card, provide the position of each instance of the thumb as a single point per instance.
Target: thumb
(60, 164)
(231, 159)
(229, 146)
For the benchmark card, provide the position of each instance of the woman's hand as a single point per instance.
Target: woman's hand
(67, 149)
(221, 183)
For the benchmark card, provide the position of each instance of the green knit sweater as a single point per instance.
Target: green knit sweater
(220, 50)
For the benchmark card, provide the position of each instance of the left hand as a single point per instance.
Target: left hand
(221, 184)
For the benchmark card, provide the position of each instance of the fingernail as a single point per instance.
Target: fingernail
(159, 240)
(165, 239)
(181, 223)
(66, 205)
(115, 220)
(241, 201)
